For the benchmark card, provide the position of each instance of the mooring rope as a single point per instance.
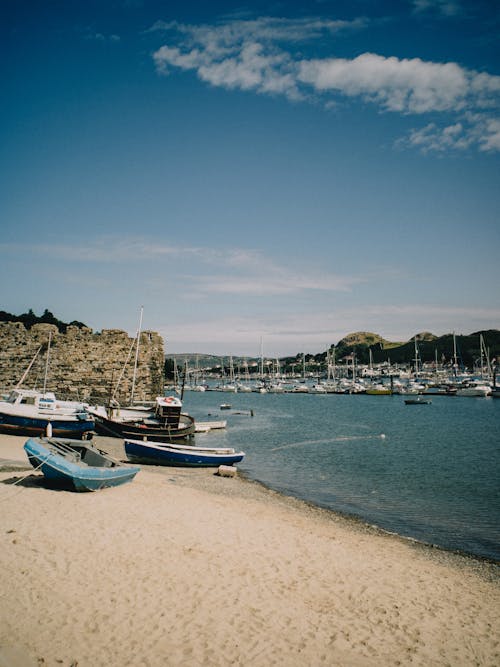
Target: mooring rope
(23, 477)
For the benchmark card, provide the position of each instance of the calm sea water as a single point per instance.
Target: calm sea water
(430, 472)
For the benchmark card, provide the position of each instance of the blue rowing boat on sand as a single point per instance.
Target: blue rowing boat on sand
(169, 454)
(77, 464)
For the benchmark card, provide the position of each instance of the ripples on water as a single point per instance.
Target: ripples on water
(431, 472)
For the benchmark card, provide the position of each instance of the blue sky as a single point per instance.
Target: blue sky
(291, 171)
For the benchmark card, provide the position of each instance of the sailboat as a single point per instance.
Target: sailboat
(163, 420)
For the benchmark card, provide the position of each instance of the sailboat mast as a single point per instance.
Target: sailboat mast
(136, 356)
(416, 358)
(455, 362)
(28, 369)
(261, 358)
(47, 364)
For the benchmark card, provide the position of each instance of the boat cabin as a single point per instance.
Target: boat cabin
(46, 401)
(168, 409)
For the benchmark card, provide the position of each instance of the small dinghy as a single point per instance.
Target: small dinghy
(77, 464)
(169, 454)
(418, 401)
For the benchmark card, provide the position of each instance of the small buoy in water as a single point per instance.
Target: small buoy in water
(382, 435)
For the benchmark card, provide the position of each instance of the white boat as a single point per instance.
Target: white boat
(474, 389)
(202, 427)
(29, 412)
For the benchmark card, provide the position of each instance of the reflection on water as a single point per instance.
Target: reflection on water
(430, 472)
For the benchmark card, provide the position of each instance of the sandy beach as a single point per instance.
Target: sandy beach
(185, 568)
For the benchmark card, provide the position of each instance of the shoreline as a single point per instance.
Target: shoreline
(184, 567)
(115, 448)
(205, 479)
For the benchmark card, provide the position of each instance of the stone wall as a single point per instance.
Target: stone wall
(82, 364)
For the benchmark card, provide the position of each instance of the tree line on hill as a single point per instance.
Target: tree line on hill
(429, 349)
(29, 319)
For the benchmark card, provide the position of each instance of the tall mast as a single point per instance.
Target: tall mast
(261, 357)
(136, 356)
(28, 369)
(47, 364)
(455, 362)
(416, 358)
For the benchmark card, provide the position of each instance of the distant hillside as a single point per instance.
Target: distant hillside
(362, 342)
(365, 338)
(430, 347)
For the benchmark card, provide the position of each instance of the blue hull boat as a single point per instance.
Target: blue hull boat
(66, 428)
(157, 453)
(29, 412)
(76, 464)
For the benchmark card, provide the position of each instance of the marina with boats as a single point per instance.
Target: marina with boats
(350, 377)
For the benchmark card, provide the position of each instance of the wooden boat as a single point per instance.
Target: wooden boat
(417, 401)
(76, 464)
(162, 453)
(29, 412)
(164, 421)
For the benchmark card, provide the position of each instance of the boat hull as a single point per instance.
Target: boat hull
(162, 454)
(59, 470)
(116, 429)
(31, 426)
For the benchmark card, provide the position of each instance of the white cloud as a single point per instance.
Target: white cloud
(248, 55)
(409, 86)
(477, 129)
(263, 55)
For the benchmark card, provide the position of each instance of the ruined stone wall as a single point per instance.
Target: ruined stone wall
(82, 364)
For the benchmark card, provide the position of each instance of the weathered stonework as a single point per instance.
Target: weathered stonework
(82, 364)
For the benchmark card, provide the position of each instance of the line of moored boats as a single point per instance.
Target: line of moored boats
(61, 431)
(465, 386)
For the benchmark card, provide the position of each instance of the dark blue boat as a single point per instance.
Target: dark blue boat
(169, 454)
(77, 464)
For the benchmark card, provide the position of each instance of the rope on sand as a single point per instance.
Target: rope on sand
(22, 478)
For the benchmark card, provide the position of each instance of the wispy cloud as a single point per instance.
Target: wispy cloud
(100, 37)
(265, 55)
(314, 331)
(443, 7)
(230, 271)
(249, 55)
